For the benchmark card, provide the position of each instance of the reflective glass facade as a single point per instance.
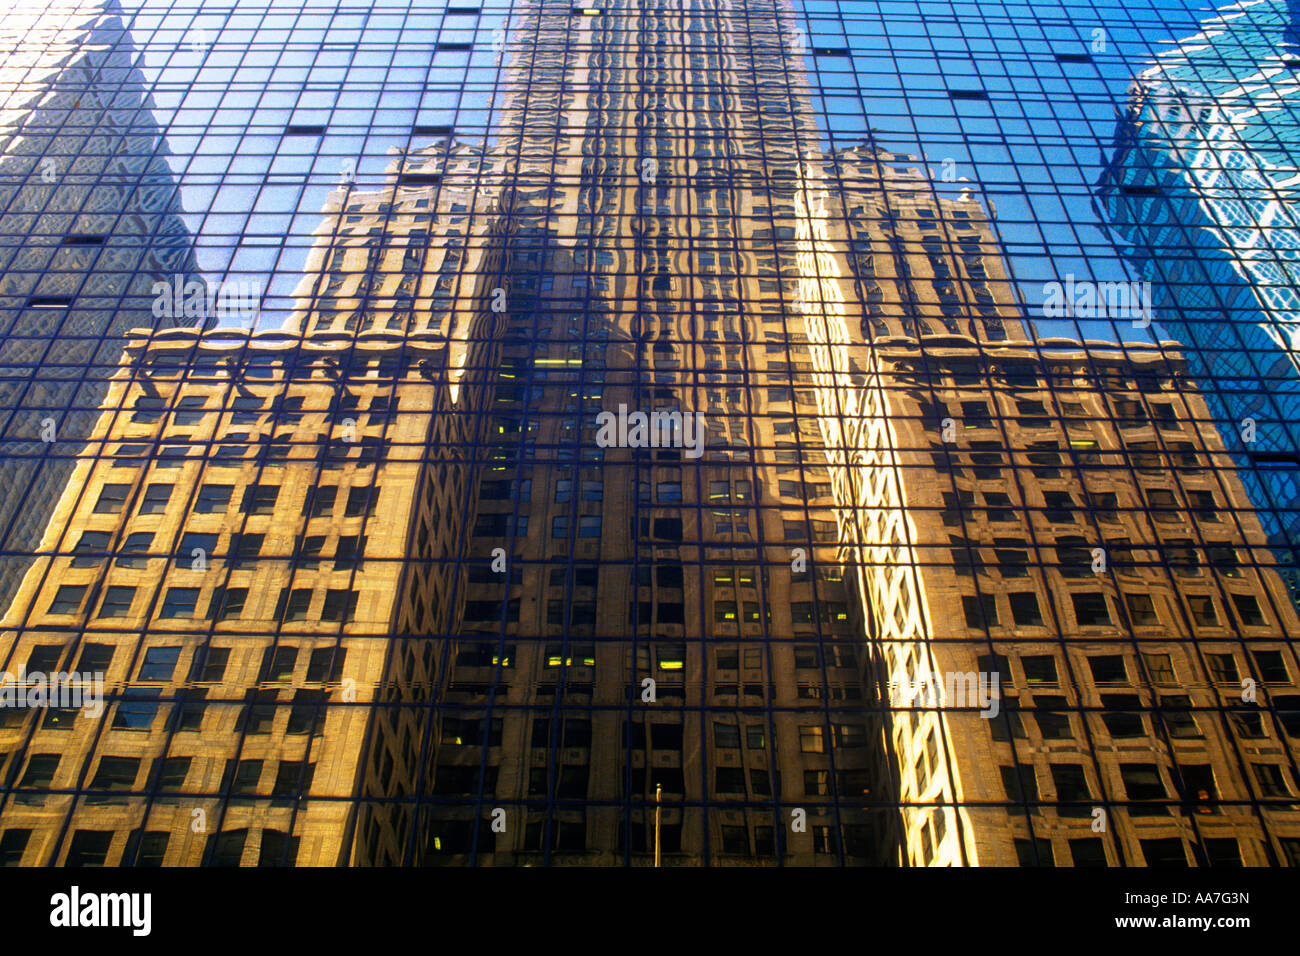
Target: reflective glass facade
(708, 432)
(1199, 193)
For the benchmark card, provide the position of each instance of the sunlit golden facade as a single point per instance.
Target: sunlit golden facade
(230, 554)
(377, 588)
(1067, 519)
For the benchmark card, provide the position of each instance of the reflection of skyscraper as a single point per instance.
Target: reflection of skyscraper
(1042, 517)
(663, 287)
(392, 259)
(88, 223)
(670, 620)
(1200, 188)
(383, 592)
(1063, 520)
(924, 264)
(239, 591)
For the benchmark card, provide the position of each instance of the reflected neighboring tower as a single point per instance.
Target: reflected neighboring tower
(89, 221)
(1200, 188)
(362, 617)
(657, 263)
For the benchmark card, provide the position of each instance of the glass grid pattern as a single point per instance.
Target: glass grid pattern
(709, 432)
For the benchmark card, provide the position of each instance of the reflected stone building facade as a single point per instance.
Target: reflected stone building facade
(1075, 621)
(88, 224)
(240, 588)
(377, 588)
